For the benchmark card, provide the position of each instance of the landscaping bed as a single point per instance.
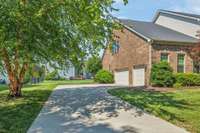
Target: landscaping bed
(17, 115)
(178, 106)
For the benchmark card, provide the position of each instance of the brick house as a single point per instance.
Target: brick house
(139, 44)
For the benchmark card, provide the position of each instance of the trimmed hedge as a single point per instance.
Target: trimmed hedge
(188, 79)
(162, 75)
(104, 76)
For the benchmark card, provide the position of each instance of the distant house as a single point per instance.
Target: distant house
(140, 44)
(3, 78)
(70, 72)
(66, 73)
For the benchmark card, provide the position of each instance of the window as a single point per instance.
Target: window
(164, 57)
(115, 47)
(181, 63)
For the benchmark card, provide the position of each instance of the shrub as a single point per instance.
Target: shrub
(52, 75)
(177, 85)
(162, 75)
(188, 79)
(104, 76)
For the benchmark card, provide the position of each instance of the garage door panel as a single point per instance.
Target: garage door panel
(122, 78)
(139, 77)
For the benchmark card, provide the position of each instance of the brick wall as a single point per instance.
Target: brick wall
(134, 51)
(173, 51)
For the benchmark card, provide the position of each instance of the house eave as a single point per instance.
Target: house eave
(170, 13)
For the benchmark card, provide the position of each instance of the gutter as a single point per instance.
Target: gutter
(173, 42)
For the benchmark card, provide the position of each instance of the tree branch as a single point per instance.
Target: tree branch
(23, 72)
(7, 64)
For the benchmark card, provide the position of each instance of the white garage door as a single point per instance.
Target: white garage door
(122, 78)
(139, 77)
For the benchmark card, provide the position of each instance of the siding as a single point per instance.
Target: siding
(179, 24)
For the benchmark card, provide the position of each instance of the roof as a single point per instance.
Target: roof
(182, 14)
(152, 31)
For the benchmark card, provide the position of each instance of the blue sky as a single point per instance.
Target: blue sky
(146, 9)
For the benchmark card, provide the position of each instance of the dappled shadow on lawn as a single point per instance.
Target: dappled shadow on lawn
(26, 87)
(153, 102)
(81, 110)
(16, 115)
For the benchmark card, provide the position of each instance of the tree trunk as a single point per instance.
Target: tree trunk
(15, 74)
(15, 89)
(17, 84)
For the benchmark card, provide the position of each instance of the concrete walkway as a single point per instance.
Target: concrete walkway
(90, 109)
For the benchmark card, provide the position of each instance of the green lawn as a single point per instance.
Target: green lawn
(180, 107)
(17, 115)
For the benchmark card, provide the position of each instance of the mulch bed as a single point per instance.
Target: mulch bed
(160, 89)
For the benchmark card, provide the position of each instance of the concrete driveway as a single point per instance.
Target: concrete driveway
(90, 109)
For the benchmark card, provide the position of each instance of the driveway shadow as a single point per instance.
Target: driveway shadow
(78, 110)
(93, 110)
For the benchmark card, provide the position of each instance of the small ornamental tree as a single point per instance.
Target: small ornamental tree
(50, 31)
(194, 53)
(93, 65)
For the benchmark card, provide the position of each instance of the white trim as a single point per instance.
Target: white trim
(184, 63)
(181, 53)
(156, 16)
(167, 53)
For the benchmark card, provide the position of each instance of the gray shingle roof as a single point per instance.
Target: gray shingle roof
(157, 32)
(184, 14)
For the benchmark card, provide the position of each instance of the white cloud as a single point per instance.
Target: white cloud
(193, 5)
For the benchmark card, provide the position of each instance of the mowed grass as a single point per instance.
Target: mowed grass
(17, 115)
(180, 107)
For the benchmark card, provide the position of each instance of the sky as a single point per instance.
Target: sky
(146, 9)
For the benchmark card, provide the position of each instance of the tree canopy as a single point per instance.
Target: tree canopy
(41, 31)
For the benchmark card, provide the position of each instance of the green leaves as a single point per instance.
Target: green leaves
(93, 65)
(55, 30)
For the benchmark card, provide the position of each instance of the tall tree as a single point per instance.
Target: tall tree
(44, 31)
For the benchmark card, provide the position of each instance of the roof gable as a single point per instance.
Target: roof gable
(191, 17)
(154, 32)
